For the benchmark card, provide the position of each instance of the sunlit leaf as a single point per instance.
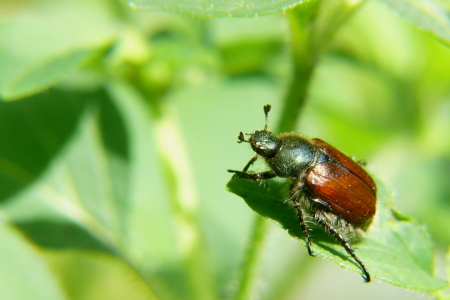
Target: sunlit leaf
(60, 235)
(218, 8)
(78, 166)
(41, 44)
(25, 274)
(43, 75)
(90, 272)
(396, 249)
(33, 131)
(88, 180)
(427, 15)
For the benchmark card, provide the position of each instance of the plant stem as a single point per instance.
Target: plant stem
(183, 197)
(297, 271)
(313, 24)
(252, 255)
(303, 64)
(295, 98)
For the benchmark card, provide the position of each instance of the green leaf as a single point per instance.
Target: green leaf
(88, 181)
(52, 234)
(90, 272)
(33, 131)
(427, 15)
(396, 249)
(24, 274)
(41, 44)
(43, 75)
(445, 295)
(217, 8)
(77, 193)
(81, 175)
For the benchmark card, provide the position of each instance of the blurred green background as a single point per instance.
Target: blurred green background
(117, 128)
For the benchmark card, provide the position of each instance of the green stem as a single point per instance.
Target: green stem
(295, 98)
(252, 255)
(121, 11)
(297, 271)
(184, 201)
(313, 24)
(303, 64)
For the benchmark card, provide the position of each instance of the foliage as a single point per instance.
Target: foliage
(117, 127)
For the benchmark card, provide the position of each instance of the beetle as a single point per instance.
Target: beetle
(327, 186)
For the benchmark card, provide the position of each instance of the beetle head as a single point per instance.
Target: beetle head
(263, 142)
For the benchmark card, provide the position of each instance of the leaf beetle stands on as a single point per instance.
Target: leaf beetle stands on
(327, 186)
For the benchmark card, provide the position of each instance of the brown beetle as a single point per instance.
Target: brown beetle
(328, 186)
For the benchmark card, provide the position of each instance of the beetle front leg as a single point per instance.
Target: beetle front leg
(254, 158)
(253, 176)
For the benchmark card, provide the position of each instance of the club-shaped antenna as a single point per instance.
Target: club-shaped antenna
(241, 138)
(267, 108)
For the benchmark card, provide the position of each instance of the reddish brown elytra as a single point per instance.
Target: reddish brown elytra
(327, 186)
(349, 191)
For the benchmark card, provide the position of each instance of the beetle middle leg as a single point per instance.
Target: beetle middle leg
(344, 243)
(297, 193)
(296, 203)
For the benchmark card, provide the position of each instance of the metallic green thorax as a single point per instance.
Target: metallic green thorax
(288, 155)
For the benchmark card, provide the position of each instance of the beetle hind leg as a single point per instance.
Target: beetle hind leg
(344, 243)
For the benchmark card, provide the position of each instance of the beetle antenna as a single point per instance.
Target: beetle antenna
(241, 138)
(267, 108)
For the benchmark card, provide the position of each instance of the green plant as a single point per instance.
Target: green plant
(117, 127)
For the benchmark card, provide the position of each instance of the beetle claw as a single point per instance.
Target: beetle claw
(310, 252)
(366, 277)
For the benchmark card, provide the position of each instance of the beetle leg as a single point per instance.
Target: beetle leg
(346, 245)
(303, 225)
(254, 158)
(361, 162)
(253, 176)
